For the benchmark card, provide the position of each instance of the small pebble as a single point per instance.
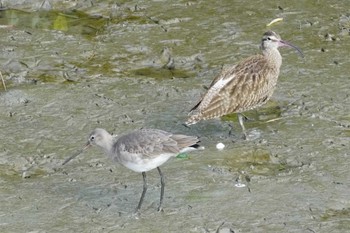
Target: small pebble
(240, 185)
(220, 146)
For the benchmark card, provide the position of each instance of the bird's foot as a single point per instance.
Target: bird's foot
(253, 134)
(160, 209)
(136, 214)
(245, 136)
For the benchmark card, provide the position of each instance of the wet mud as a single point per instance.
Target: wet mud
(72, 66)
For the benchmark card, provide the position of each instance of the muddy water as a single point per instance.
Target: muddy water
(131, 65)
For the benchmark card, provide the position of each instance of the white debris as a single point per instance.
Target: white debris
(220, 146)
(240, 185)
(274, 21)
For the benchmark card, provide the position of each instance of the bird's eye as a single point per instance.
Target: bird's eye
(267, 38)
(92, 138)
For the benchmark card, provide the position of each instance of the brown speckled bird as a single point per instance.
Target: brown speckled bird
(244, 86)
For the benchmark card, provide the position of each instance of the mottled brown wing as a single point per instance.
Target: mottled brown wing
(218, 77)
(243, 87)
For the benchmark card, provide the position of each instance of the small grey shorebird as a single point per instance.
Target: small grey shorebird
(141, 151)
(244, 86)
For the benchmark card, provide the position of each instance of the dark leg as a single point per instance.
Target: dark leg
(231, 129)
(161, 189)
(143, 191)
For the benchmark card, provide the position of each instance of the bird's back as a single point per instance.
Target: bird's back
(151, 146)
(239, 88)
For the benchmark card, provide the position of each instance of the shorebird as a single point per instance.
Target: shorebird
(141, 151)
(244, 86)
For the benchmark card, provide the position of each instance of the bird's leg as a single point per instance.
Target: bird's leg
(143, 191)
(247, 118)
(161, 189)
(241, 122)
(231, 129)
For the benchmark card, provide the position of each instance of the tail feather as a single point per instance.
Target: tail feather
(184, 141)
(192, 120)
(195, 107)
(187, 143)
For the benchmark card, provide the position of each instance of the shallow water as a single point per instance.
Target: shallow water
(133, 65)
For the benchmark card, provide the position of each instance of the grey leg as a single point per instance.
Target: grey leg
(161, 189)
(143, 191)
(241, 122)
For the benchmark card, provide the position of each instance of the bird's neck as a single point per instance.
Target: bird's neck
(107, 145)
(273, 57)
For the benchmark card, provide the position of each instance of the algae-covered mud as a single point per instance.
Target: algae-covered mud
(72, 66)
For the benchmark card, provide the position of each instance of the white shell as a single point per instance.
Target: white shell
(220, 146)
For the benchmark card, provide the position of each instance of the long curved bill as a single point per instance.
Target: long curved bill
(77, 153)
(287, 44)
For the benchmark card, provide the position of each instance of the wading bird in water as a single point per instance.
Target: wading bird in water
(244, 86)
(141, 151)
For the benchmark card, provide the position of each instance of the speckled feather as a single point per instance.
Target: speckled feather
(241, 87)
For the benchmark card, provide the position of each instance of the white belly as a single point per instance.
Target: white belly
(144, 165)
